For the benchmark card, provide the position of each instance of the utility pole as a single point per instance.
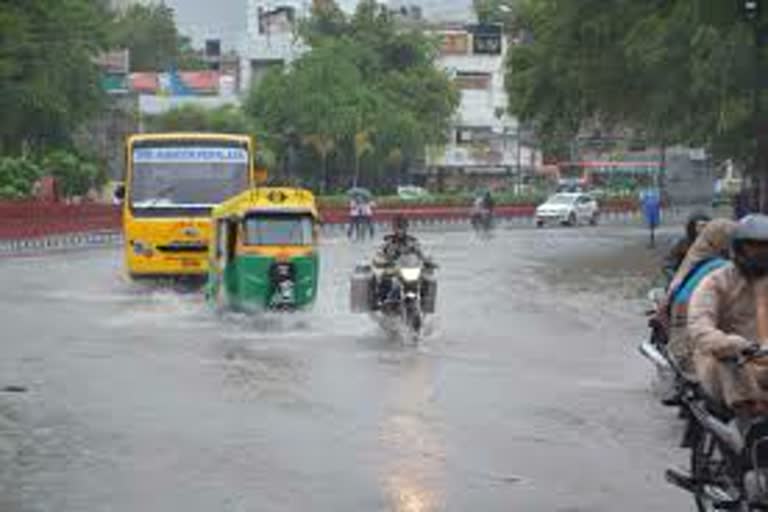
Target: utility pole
(752, 12)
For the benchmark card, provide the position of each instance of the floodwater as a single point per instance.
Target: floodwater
(528, 393)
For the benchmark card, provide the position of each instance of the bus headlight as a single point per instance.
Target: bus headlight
(142, 248)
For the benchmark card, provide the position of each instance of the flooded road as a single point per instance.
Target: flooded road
(527, 395)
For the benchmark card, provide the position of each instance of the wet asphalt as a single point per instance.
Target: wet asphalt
(528, 393)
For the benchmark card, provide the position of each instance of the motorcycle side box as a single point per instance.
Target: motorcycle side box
(428, 294)
(361, 291)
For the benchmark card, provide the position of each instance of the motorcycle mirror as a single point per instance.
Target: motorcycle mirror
(119, 193)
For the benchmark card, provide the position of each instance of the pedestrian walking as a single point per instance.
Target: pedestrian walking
(366, 217)
(650, 201)
(354, 219)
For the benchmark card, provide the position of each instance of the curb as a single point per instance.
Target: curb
(114, 238)
(60, 242)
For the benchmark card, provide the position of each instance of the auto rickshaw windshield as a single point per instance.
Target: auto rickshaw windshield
(277, 229)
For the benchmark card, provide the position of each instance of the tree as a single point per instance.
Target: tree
(150, 33)
(492, 11)
(225, 119)
(74, 175)
(365, 88)
(17, 177)
(672, 71)
(363, 145)
(48, 81)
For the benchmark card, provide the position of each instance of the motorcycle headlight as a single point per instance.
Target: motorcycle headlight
(410, 274)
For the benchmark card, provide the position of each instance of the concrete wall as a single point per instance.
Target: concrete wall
(689, 181)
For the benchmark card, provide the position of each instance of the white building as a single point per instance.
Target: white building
(484, 138)
(271, 36)
(437, 11)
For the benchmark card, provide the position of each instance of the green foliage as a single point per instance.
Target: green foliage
(74, 175)
(493, 11)
(365, 92)
(17, 177)
(672, 71)
(150, 33)
(225, 119)
(48, 81)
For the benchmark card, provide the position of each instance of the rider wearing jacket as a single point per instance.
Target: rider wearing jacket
(707, 254)
(723, 322)
(676, 255)
(398, 243)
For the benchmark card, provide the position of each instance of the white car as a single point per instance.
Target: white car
(568, 209)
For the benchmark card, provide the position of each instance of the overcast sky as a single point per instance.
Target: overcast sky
(226, 18)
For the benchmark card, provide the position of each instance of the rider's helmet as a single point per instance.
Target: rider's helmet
(400, 225)
(750, 246)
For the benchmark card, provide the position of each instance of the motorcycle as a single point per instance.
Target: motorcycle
(729, 454)
(482, 221)
(655, 347)
(398, 296)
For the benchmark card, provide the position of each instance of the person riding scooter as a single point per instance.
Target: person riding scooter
(724, 323)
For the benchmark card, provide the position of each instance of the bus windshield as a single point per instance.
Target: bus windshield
(278, 230)
(185, 176)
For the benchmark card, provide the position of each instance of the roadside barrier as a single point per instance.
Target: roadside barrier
(60, 242)
(29, 227)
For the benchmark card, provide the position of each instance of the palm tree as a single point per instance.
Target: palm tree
(363, 145)
(324, 144)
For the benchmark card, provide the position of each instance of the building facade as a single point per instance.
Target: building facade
(271, 37)
(436, 11)
(484, 144)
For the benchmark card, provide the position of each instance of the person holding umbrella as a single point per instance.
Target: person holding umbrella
(366, 216)
(354, 218)
(358, 199)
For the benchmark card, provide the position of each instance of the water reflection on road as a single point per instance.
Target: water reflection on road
(526, 395)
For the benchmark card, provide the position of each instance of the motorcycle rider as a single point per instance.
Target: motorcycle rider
(695, 224)
(708, 253)
(399, 242)
(395, 245)
(478, 212)
(723, 319)
(488, 203)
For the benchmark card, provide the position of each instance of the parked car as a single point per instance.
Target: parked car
(568, 209)
(412, 193)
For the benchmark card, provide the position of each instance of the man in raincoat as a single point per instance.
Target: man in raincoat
(693, 227)
(727, 319)
(708, 253)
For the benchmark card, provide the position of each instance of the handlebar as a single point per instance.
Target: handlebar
(750, 354)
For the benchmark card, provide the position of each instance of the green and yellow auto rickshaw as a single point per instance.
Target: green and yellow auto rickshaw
(263, 251)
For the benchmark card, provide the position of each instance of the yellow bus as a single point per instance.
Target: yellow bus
(172, 183)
